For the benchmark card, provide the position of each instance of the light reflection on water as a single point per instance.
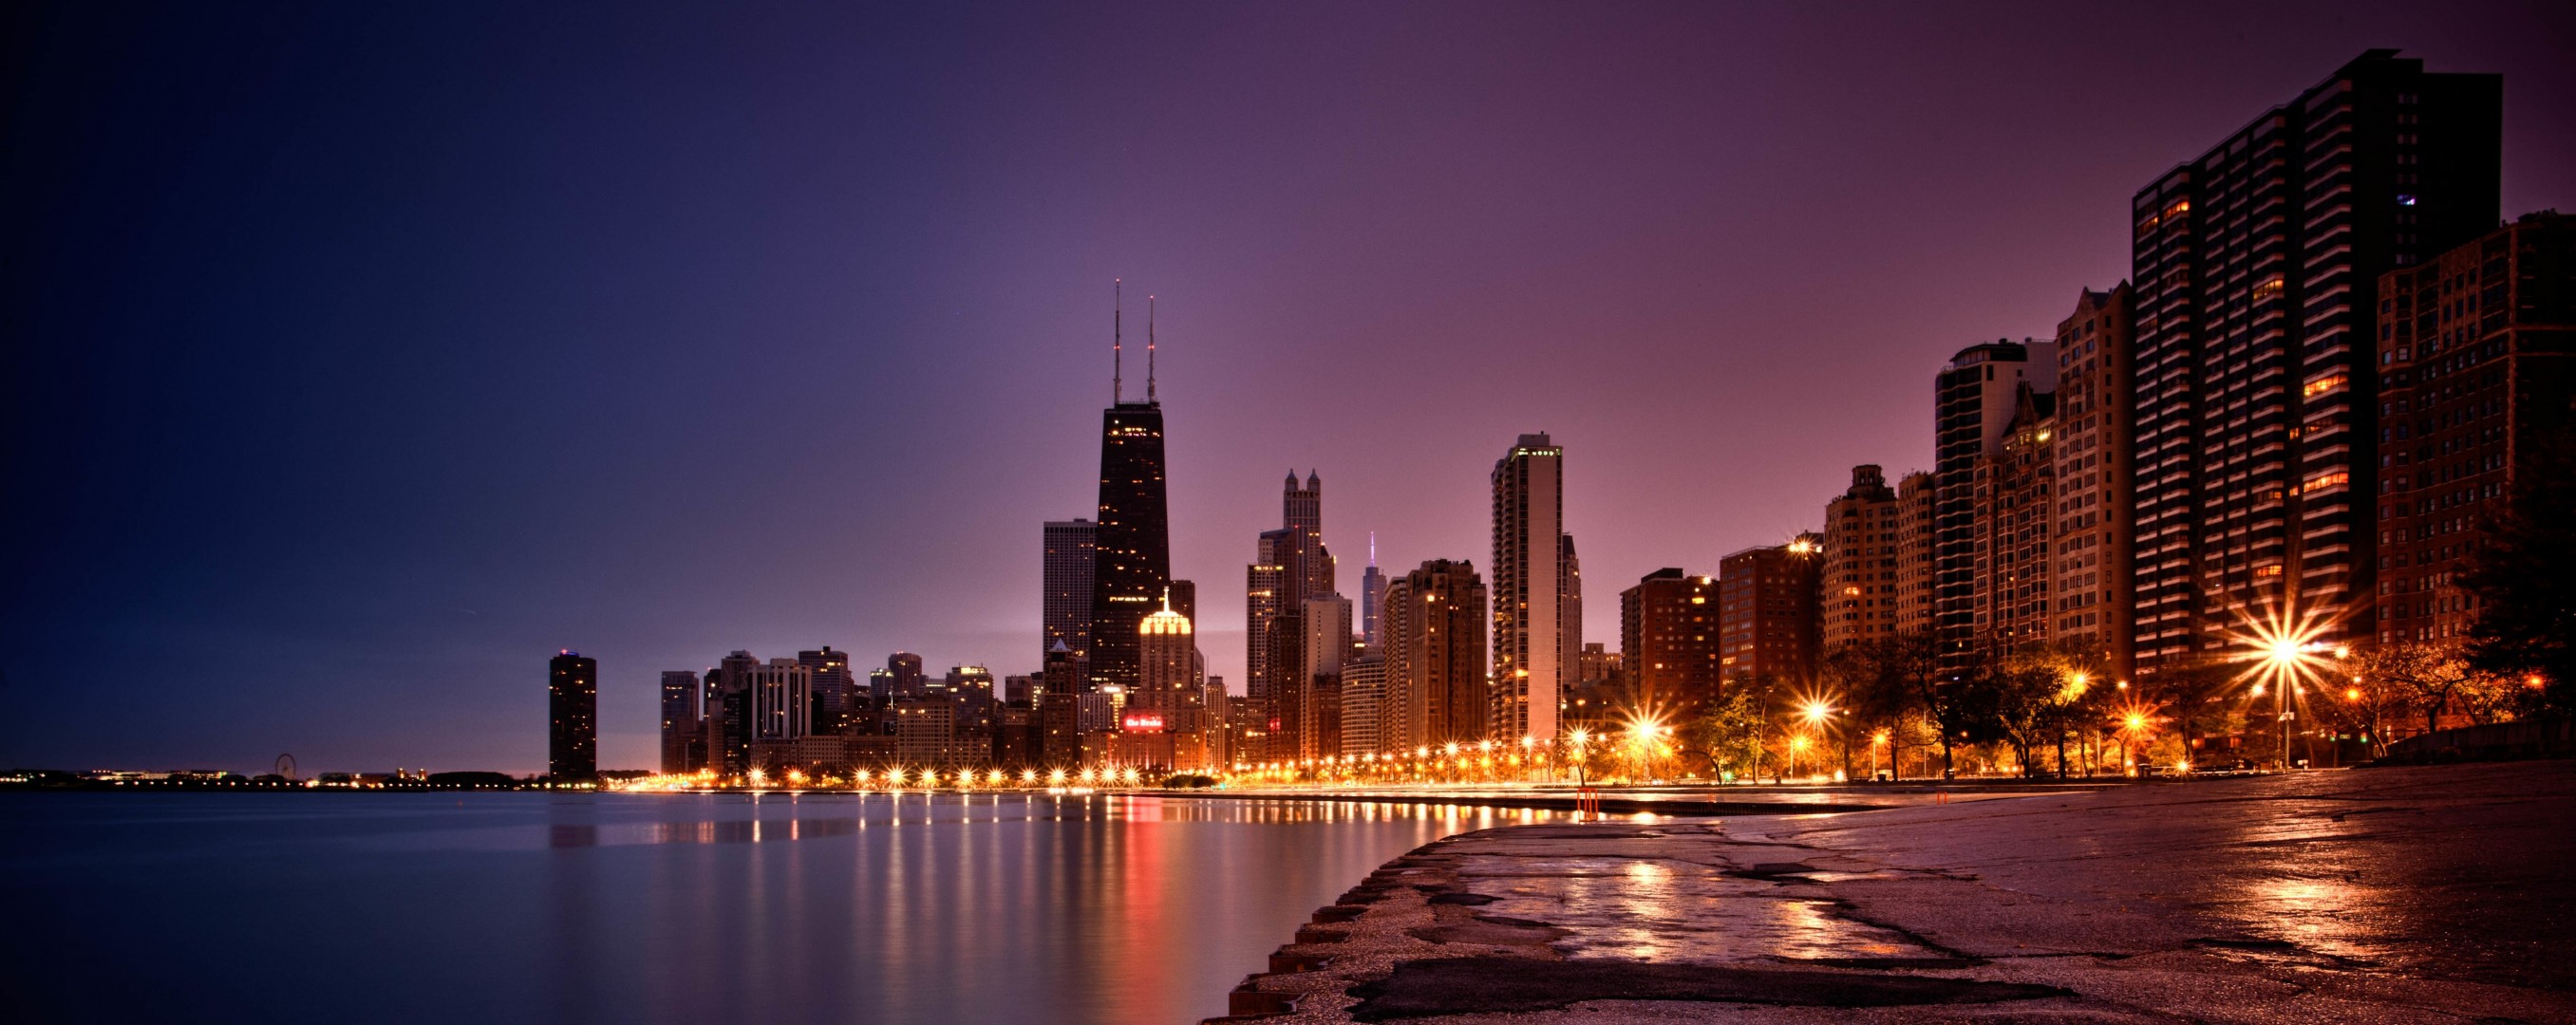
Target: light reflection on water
(688, 907)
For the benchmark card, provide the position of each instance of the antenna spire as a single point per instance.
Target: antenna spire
(1149, 350)
(1117, 313)
(1372, 548)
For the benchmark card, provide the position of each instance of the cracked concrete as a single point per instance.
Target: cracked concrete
(2387, 895)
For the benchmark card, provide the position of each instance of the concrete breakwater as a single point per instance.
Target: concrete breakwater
(2409, 894)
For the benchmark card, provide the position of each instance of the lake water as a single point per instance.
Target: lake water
(519, 907)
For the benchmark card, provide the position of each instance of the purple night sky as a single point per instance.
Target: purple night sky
(363, 357)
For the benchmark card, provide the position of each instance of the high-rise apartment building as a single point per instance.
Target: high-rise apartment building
(1668, 643)
(684, 738)
(1973, 405)
(1066, 548)
(572, 716)
(1860, 585)
(2015, 510)
(1433, 643)
(1529, 584)
(2256, 267)
(2477, 366)
(1767, 612)
(1363, 695)
(1914, 553)
(1132, 555)
(2095, 407)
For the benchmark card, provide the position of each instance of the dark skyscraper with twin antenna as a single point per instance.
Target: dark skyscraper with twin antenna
(1132, 560)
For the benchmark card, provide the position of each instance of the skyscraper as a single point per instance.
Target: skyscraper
(1132, 549)
(2094, 487)
(1066, 551)
(683, 737)
(1372, 594)
(572, 717)
(1529, 589)
(2257, 266)
(1859, 602)
(1668, 641)
(835, 690)
(1319, 700)
(2478, 348)
(1267, 591)
(905, 668)
(1363, 694)
(730, 715)
(1166, 696)
(1289, 565)
(1434, 658)
(1973, 403)
(781, 699)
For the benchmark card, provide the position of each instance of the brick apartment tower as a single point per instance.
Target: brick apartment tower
(1860, 585)
(2477, 355)
(2094, 486)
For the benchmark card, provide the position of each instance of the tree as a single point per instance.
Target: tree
(1901, 674)
(2522, 572)
(2025, 692)
(2429, 675)
(2196, 696)
(1730, 728)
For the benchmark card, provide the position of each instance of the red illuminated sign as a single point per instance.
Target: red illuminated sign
(1143, 722)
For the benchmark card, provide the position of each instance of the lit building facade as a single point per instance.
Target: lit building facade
(1363, 696)
(1767, 612)
(1433, 643)
(1167, 697)
(1668, 642)
(1529, 589)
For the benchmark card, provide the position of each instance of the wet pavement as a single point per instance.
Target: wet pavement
(2378, 895)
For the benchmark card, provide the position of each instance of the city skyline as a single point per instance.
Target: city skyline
(643, 605)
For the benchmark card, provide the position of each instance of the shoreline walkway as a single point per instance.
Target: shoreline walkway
(2378, 895)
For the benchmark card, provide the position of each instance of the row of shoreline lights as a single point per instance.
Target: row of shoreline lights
(2286, 655)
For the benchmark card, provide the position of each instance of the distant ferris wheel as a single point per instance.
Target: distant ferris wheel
(286, 766)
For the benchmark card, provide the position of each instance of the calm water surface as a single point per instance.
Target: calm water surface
(698, 908)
